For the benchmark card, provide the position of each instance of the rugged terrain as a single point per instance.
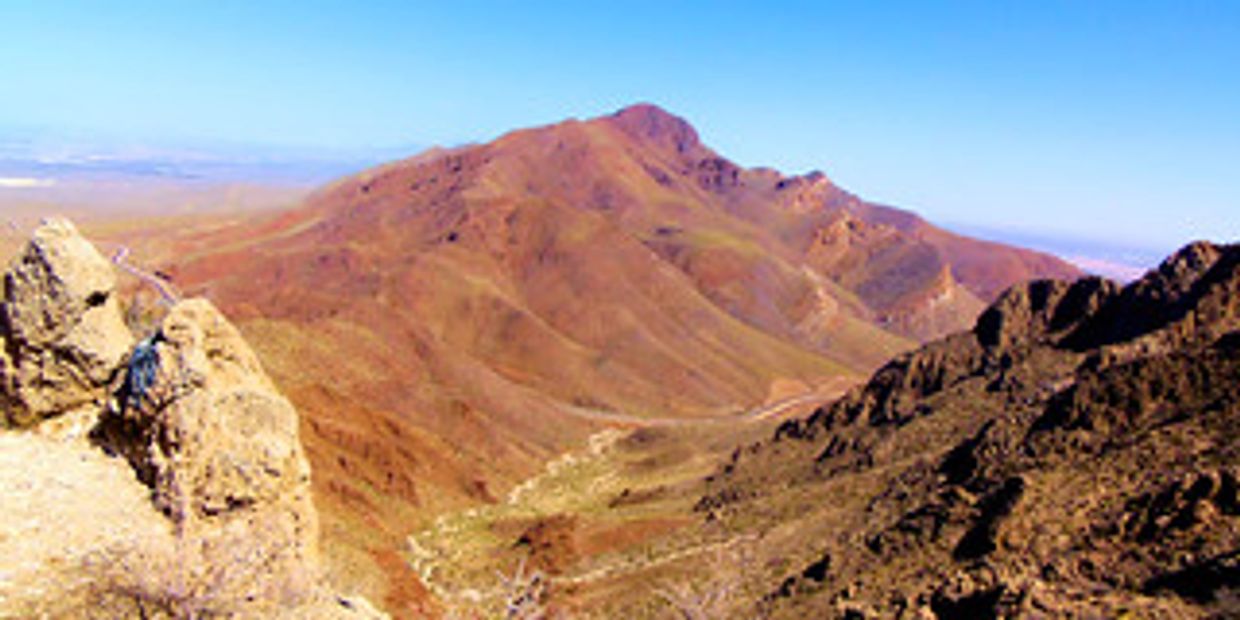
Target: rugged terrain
(448, 323)
(1073, 455)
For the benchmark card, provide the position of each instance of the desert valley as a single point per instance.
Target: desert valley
(596, 369)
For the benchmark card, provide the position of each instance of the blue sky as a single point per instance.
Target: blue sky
(1115, 122)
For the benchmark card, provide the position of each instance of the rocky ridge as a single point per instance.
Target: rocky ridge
(1074, 455)
(207, 456)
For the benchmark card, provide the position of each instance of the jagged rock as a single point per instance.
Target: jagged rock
(218, 445)
(61, 327)
(1030, 313)
(1194, 295)
(966, 595)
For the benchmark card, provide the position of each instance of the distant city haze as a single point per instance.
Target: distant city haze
(1107, 127)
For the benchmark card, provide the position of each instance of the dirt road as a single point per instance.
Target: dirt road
(830, 391)
(120, 258)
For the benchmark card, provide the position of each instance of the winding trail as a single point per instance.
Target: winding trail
(632, 565)
(120, 258)
(831, 391)
(429, 557)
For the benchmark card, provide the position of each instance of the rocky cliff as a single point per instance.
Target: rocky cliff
(205, 507)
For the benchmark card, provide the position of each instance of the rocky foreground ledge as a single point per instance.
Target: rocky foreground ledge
(160, 477)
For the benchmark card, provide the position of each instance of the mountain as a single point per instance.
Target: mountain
(1073, 455)
(448, 322)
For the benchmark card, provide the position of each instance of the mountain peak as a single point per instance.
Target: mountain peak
(649, 122)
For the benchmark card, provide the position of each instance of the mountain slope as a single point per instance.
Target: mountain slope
(448, 322)
(1074, 455)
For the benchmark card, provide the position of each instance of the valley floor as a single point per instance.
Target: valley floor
(601, 523)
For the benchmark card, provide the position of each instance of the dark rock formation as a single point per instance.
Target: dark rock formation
(1074, 455)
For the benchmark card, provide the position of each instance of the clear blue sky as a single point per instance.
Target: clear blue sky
(1117, 121)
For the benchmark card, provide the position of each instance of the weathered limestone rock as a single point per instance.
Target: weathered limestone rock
(218, 445)
(62, 335)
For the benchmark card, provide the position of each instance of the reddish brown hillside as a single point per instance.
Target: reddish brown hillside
(447, 322)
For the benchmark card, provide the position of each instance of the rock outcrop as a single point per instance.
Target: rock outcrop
(218, 445)
(61, 328)
(1041, 311)
(229, 529)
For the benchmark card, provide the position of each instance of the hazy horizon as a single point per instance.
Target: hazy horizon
(1092, 122)
(60, 162)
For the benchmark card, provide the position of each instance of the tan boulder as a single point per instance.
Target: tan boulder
(218, 445)
(61, 329)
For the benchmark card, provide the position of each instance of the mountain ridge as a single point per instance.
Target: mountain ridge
(1070, 455)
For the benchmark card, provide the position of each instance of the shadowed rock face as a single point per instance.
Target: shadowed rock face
(1039, 311)
(60, 326)
(1074, 455)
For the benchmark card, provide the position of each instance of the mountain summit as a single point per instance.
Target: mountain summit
(652, 124)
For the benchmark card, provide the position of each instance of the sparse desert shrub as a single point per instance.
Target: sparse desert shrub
(721, 595)
(192, 577)
(524, 594)
(521, 595)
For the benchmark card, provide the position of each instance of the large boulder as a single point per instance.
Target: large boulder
(62, 334)
(218, 445)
